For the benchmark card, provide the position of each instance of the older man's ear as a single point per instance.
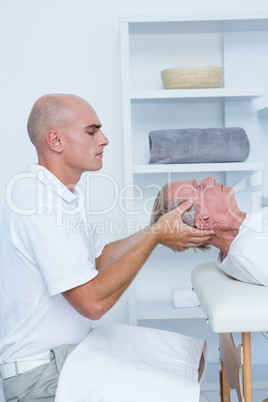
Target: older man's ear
(203, 221)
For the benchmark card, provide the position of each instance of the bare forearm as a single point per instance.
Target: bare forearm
(97, 296)
(121, 261)
(113, 251)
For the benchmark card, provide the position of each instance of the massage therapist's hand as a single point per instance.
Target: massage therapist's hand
(175, 234)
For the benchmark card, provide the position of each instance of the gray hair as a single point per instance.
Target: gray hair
(163, 205)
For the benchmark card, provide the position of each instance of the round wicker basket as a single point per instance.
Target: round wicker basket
(192, 77)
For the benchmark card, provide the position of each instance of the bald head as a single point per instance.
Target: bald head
(49, 112)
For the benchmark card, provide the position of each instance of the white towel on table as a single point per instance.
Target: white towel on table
(120, 363)
(185, 297)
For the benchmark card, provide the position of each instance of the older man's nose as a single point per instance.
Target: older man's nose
(209, 181)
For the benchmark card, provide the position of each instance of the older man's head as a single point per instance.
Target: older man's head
(214, 204)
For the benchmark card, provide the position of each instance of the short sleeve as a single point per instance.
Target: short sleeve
(98, 242)
(64, 255)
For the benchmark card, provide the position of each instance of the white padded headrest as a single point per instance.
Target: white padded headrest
(230, 305)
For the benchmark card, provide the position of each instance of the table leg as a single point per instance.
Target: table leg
(247, 372)
(224, 385)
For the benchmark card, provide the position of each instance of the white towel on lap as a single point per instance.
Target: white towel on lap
(120, 363)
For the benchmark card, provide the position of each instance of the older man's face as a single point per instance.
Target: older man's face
(211, 198)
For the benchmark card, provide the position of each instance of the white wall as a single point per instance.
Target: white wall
(69, 46)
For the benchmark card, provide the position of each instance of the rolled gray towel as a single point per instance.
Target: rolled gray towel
(196, 145)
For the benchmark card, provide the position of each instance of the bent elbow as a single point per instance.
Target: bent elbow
(93, 312)
(95, 315)
(85, 303)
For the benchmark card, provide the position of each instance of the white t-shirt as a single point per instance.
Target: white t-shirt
(248, 254)
(46, 247)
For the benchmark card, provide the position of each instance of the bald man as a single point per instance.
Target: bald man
(53, 280)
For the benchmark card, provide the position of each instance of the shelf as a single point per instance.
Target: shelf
(263, 113)
(252, 20)
(210, 94)
(199, 167)
(197, 22)
(163, 309)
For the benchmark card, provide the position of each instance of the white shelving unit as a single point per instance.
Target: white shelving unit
(212, 94)
(198, 167)
(264, 201)
(263, 113)
(163, 310)
(147, 41)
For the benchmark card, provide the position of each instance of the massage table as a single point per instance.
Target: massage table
(232, 306)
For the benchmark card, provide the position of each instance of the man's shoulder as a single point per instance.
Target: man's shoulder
(22, 193)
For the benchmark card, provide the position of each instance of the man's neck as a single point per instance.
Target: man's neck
(224, 237)
(69, 179)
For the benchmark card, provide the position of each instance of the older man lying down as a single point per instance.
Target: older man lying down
(242, 240)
